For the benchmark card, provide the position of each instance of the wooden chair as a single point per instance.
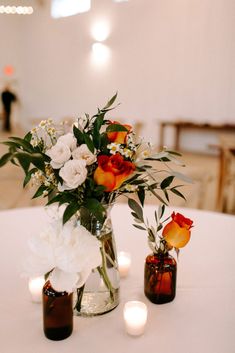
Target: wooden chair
(226, 182)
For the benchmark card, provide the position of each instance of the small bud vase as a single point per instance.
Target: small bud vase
(57, 313)
(160, 278)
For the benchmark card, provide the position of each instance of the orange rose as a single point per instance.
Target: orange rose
(119, 136)
(112, 171)
(177, 232)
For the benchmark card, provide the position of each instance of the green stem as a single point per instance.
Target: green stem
(79, 298)
(103, 272)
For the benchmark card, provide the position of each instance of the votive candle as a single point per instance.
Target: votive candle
(135, 317)
(124, 263)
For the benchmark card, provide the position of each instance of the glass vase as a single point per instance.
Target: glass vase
(160, 278)
(57, 313)
(100, 294)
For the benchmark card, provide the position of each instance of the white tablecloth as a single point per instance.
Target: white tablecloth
(200, 319)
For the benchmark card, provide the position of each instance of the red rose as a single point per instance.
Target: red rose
(112, 171)
(177, 232)
(119, 136)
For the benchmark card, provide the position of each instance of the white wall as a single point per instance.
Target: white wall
(169, 60)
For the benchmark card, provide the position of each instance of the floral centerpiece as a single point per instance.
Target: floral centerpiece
(85, 168)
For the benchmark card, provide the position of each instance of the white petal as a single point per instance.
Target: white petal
(63, 281)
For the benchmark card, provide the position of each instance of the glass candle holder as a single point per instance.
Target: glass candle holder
(124, 263)
(135, 317)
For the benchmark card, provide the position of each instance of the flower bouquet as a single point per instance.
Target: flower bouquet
(84, 169)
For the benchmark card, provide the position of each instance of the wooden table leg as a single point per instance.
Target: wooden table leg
(221, 180)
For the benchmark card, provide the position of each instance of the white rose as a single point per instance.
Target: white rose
(73, 173)
(83, 152)
(69, 140)
(59, 154)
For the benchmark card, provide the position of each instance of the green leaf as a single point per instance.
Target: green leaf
(136, 182)
(28, 176)
(79, 135)
(70, 210)
(116, 128)
(161, 210)
(156, 195)
(174, 153)
(38, 161)
(95, 207)
(5, 158)
(24, 161)
(134, 215)
(28, 137)
(96, 132)
(99, 190)
(98, 122)
(136, 208)
(62, 198)
(11, 144)
(89, 143)
(159, 227)
(156, 215)
(24, 143)
(111, 101)
(166, 182)
(39, 191)
(182, 177)
(133, 178)
(166, 194)
(141, 195)
(104, 141)
(139, 227)
(178, 193)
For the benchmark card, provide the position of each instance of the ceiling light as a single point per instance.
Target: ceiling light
(100, 53)
(64, 8)
(100, 30)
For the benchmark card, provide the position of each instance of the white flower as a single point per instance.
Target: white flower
(69, 251)
(81, 122)
(126, 152)
(59, 154)
(145, 150)
(73, 173)
(83, 152)
(131, 188)
(69, 140)
(114, 147)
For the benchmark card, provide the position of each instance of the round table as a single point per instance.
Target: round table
(200, 319)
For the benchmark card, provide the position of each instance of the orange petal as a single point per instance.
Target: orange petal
(175, 235)
(119, 179)
(106, 179)
(112, 136)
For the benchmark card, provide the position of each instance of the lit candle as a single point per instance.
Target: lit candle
(124, 263)
(135, 317)
(35, 288)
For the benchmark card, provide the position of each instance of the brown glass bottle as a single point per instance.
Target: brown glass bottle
(160, 278)
(57, 313)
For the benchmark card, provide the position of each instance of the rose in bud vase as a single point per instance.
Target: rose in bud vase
(84, 168)
(160, 272)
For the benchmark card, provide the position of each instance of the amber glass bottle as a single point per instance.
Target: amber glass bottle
(57, 313)
(160, 278)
